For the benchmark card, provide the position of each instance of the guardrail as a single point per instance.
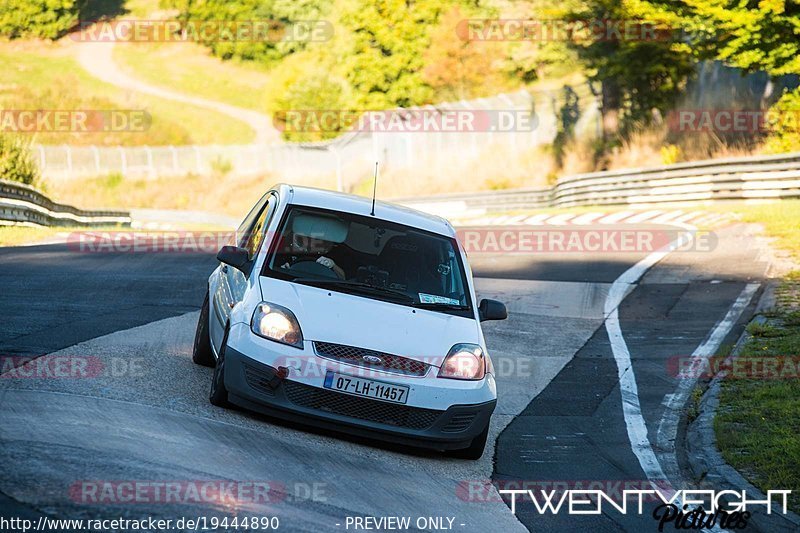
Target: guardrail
(22, 204)
(741, 178)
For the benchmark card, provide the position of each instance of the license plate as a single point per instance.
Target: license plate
(366, 387)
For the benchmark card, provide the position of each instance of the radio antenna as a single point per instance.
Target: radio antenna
(374, 188)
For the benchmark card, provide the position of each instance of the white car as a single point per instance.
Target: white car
(352, 316)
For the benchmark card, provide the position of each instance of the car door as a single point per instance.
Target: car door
(232, 283)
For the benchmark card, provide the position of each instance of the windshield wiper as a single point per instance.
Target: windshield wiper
(440, 305)
(356, 286)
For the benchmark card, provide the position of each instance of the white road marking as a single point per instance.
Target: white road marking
(641, 217)
(631, 407)
(668, 426)
(666, 217)
(677, 217)
(502, 219)
(613, 218)
(559, 220)
(517, 219)
(586, 218)
(537, 220)
(683, 219)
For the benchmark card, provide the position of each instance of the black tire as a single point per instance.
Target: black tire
(219, 394)
(475, 450)
(201, 349)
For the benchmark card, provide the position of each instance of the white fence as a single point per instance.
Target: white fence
(348, 157)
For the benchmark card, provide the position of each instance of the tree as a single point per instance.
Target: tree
(458, 68)
(638, 70)
(48, 19)
(282, 16)
(754, 35)
(384, 60)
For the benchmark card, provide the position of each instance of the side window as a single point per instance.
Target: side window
(243, 231)
(255, 234)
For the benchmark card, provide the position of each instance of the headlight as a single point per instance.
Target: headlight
(277, 323)
(464, 361)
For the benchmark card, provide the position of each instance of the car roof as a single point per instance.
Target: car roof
(350, 203)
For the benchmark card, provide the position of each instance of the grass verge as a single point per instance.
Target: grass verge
(22, 235)
(758, 421)
(757, 424)
(228, 195)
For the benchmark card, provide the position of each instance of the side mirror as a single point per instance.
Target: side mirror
(492, 310)
(236, 257)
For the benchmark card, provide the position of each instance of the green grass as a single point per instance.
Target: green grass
(780, 218)
(22, 235)
(39, 75)
(757, 329)
(757, 424)
(195, 71)
(232, 195)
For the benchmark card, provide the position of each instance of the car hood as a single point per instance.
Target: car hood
(329, 316)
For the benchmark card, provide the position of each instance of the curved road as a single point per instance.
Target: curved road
(143, 416)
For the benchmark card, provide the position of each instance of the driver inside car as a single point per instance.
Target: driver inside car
(313, 238)
(311, 249)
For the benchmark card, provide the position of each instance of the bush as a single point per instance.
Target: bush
(283, 39)
(48, 19)
(16, 162)
(307, 83)
(783, 124)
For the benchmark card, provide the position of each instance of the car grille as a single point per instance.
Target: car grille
(459, 422)
(362, 408)
(258, 379)
(355, 356)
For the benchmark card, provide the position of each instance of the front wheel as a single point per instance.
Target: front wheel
(201, 349)
(219, 394)
(475, 449)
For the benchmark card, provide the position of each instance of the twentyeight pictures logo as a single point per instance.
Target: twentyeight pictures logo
(682, 509)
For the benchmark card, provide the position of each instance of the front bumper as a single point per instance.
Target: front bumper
(253, 384)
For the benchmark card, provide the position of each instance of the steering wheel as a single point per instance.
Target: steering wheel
(313, 268)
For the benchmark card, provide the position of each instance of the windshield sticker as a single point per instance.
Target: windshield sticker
(434, 299)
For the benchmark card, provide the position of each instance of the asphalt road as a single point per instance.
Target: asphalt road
(560, 414)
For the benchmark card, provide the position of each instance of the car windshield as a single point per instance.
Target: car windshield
(369, 257)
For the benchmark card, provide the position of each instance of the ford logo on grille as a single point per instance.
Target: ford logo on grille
(374, 359)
